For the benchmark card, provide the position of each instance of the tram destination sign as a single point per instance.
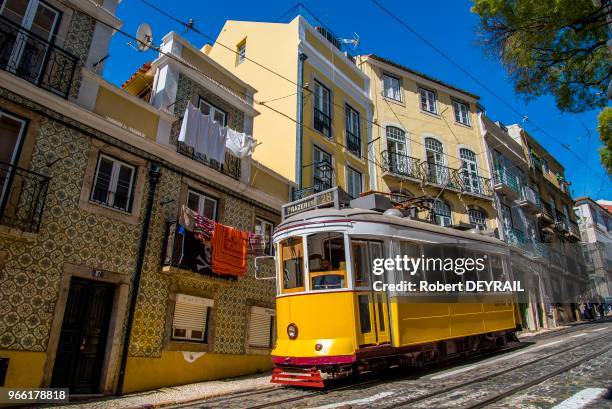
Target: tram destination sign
(331, 197)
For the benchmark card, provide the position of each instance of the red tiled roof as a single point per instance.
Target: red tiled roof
(143, 68)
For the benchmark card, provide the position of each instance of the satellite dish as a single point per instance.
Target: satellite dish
(144, 34)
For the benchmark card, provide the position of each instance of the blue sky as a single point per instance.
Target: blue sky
(449, 25)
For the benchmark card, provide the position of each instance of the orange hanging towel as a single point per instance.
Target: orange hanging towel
(229, 251)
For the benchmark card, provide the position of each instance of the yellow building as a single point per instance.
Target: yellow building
(429, 146)
(313, 100)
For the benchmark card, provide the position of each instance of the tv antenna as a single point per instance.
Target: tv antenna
(355, 40)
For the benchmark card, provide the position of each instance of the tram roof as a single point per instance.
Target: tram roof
(373, 216)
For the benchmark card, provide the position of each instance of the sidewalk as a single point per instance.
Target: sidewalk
(178, 394)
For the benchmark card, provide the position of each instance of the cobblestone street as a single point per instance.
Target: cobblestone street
(571, 368)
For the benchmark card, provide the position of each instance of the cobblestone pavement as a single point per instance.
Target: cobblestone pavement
(465, 384)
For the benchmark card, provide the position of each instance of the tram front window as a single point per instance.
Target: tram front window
(292, 263)
(326, 261)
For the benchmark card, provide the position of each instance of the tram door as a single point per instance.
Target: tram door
(371, 306)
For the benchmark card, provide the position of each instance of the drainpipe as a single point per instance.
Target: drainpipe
(299, 132)
(154, 174)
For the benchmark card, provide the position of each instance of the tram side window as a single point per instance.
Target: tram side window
(292, 262)
(434, 258)
(452, 252)
(413, 251)
(471, 273)
(497, 268)
(326, 261)
(364, 253)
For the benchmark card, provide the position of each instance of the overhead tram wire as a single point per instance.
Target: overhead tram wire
(372, 123)
(214, 41)
(466, 72)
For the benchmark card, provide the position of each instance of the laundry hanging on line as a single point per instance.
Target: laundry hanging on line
(210, 139)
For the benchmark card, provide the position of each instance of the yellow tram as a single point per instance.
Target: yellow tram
(331, 322)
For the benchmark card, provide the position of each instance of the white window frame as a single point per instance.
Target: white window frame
(353, 122)
(481, 215)
(112, 184)
(202, 198)
(442, 219)
(241, 52)
(388, 83)
(462, 112)
(349, 170)
(213, 109)
(264, 223)
(430, 100)
(194, 303)
(268, 313)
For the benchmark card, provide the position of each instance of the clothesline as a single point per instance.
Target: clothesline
(210, 138)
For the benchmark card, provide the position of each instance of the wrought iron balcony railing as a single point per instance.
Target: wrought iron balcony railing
(507, 178)
(353, 143)
(231, 167)
(400, 164)
(35, 59)
(322, 122)
(22, 197)
(516, 237)
(322, 180)
(440, 175)
(530, 195)
(474, 184)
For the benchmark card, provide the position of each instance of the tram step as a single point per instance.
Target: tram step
(307, 377)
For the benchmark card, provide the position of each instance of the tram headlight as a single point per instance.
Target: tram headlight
(292, 331)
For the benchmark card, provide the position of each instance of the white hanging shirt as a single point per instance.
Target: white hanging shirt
(191, 126)
(240, 144)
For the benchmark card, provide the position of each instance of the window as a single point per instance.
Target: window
(203, 205)
(12, 130)
(216, 113)
(434, 156)
(261, 327)
(462, 112)
(353, 132)
(391, 87)
(400, 196)
(364, 252)
(469, 172)
(478, 218)
(428, 100)
(545, 167)
(507, 216)
(326, 261)
(265, 228)
(241, 52)
(191, 318)
(322, 103)
(113, 184)
(322, 173)
(292, 264)
(442, 213)
(353, 182)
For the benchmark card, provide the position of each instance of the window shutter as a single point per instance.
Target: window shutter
(260, 327)
(190, 313)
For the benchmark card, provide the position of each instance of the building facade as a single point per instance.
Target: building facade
(427, 142)
(93, 182)
(315, 112)
(566, 280)
(595, 222)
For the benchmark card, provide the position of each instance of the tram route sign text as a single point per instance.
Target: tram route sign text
(311, 202)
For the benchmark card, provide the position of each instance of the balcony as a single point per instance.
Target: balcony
(440, 175)
(231, 167)
(22, 197)
(401, 165)
(516, 238)
(506, 183)
(353, 143)
(322, 180)
(183, 253)
(574, 232)
(475, 185)
(561, 225)
(530, 200)
(322, 122)
(541, 251)
(35, 59)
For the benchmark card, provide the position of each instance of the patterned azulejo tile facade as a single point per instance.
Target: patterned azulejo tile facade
(30, 271)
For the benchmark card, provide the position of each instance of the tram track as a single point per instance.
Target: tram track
(228, 399)
(508, 392)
